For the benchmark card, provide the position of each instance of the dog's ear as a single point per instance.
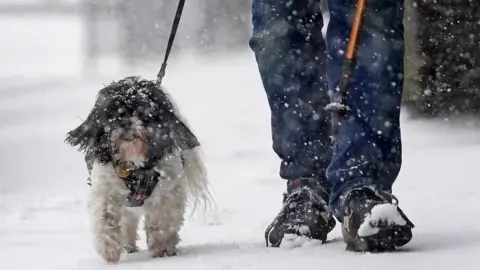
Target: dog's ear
(172, 137)
(84, 135)
(90, 136)
(183, 136)
(174, 134)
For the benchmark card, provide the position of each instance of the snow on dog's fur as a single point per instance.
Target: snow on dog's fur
(134, 121)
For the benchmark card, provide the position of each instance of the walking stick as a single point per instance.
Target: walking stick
(338, 107)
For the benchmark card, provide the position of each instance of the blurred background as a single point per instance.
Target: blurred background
(60, 41)
(80, 35)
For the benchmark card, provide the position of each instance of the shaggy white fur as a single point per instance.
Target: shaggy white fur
(114, 225)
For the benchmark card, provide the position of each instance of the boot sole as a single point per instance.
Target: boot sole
(387, 239)
(275, 236)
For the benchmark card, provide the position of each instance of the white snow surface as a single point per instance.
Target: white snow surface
(386, 212)
(43, 221)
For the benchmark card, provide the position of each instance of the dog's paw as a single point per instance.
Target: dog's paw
(131, 249)
(163, 252)
(110, 253)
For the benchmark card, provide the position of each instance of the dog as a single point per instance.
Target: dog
(140, 154)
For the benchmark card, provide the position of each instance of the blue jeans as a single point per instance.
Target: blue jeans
(301, 71)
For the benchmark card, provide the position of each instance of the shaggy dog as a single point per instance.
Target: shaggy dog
(140, 154)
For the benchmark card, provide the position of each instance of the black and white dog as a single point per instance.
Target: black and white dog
(140, 154)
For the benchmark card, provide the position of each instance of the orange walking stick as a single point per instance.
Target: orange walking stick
(356, 28)
(338, 107)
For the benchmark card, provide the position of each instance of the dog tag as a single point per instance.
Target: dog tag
(123, 170)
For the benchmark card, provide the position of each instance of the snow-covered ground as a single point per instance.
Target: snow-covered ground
(43, 221)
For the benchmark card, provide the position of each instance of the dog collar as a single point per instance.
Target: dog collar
(141, 181)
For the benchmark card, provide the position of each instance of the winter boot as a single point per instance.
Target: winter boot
(373, 222)
(304, 213)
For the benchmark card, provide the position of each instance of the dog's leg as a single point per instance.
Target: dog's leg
(165, 211)
(163, 223)
(162, 226)
(106, 205)
(129, 226)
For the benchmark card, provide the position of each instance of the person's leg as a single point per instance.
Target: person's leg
(290, 52)
(367, 153)
(291, 55)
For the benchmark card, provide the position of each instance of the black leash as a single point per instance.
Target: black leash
(173, 32)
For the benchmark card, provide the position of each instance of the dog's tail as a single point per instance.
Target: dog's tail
(198, 186)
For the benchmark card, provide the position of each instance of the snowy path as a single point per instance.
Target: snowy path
(43, 222)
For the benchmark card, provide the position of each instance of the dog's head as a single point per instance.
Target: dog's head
(132, 120)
